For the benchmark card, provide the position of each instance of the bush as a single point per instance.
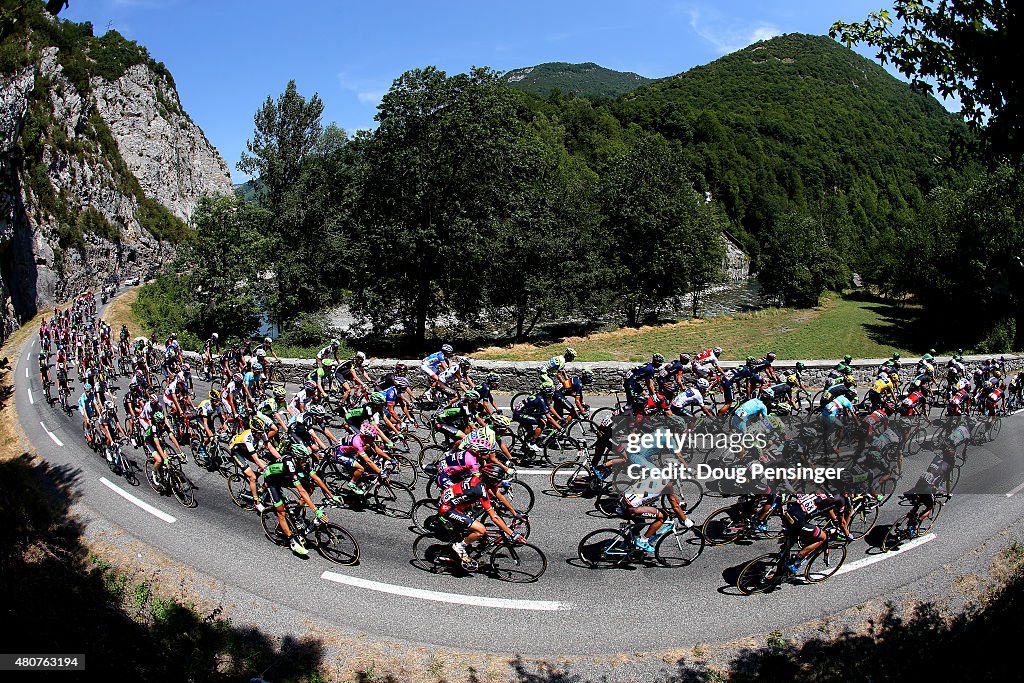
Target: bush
(160, 222)
(114, 54)
(1000, 338)
(92, 221)
(306, 330)
(161, 305)
(13, 56)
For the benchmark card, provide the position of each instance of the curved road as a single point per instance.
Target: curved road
(570, 611)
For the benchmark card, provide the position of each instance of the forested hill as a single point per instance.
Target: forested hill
(782, 125)
(585, 80)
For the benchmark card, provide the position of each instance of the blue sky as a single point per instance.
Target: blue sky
(227, 56)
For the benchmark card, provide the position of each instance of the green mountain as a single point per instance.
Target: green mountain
(798, 123)
(585, 80)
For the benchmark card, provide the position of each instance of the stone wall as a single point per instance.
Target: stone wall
(523, 376)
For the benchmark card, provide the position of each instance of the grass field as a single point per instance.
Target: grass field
(842, 324)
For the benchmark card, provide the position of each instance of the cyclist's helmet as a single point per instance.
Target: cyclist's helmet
(894, 378)
(684, 358)
(480, 444)
(492, 379)
(492, 474)
(703, 385)
(327, 362)
(215, 336)
(770, 356)
(570, 354)
(109, 405)
(237, 377)
(368, 430)
(402, 382)
(42, 355)
(586, 377)
(750, 361)
(401, 369)
(214, 395)
(472, 395)
(280, 393)
(800, 365)
(850, 381)
(360, 357)
(997, 374)
(895, 356)
(257, 366)
(927, 357)
(335, 343)
(268, 340)
(138, 373)
(158, 416)
(929, 368)
(257, 424)
(958, 358)
(300, 450)
(309, 386)
(717, 351)
(260, 353)
(847, 359)
(776, 423)
(547, 391)
(502, 423)
(657, 359)
(851, 393)
(447, 349)
(378, 398)
(88, 387)
(792, 380)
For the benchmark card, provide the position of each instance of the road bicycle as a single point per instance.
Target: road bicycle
(380, 492)
(771, 570)
(171, 478)
(332, 541)
(120, 464)
(744, 520)
(495, 554)
(910, 525)
(676, 545)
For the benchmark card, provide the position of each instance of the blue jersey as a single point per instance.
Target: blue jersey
(534, 405)
(752, 410)
(837, 406)
(434, 360)
(642, 372)
(390, 394)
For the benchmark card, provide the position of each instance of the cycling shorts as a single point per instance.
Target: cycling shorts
(459, 520)
(522, 418)
(242, 458)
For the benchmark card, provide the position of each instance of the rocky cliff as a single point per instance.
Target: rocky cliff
(100, 168)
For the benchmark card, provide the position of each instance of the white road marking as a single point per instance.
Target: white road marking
(159, 514)
(1016, 490)
(867, 561)
(51, 435)
(26, 371)
(533, 471)
(475, 600)
(30, 399)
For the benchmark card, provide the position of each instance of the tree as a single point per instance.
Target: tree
(442, 171)
(656, 226)
(970, 49)
(798, 262)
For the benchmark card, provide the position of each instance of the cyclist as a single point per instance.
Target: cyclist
(883, 389)
(153, 430)
(321, 371)
(244, 450)
(485, 389)
(844, 387)
(44, 370)
(670, 376)
(635, 505)
(691, 399)
(841, 369)
(436, 363)
(889, 366)
(749, 413)
(935, 480)
(534, 412)
(779, 395)
(834, 413)
(375, 411)
(284, 473)
(568, 397)
(640, 380)
(276, 407)
(466, 461)
(995, 399)
(454, 421)
(554, 371)
(352, 374)
(799, 521)
(458, 500)
(89, 408)
(352, 452)
(960, 400)
(329, 351)
(209, 410)
(111, 426)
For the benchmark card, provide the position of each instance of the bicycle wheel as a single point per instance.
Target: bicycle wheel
(760, 574)
(600, 414)
(517, 399)
(241, 494)
(824, 562)
(863, 519)
(604, 549)
(723, 526)
(520, 495)
(406, 471)
(423, 513)
(993, 431)
(409, 446)
(571, 479)
(128, 466)
(518, 562)
(272, 527)
(895, 535)
(915, 441)
(679, 548)
(584, 431)
(200, 455)
(182, 487)
(925, 525)
(149, 476)
(394, 499)
(559, 448)
(431, 454)
(335, 543)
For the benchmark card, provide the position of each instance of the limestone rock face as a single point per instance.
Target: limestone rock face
(103, 154)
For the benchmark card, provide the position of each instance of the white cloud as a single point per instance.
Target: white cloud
(366, 90)
(727, 34)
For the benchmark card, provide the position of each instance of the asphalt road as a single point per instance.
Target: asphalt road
(571, 610)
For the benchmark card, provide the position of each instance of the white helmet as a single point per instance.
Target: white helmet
(703, 385)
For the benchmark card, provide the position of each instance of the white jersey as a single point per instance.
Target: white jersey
(685, 399)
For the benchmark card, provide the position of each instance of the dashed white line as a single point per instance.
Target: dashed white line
(159, 514)
(867, 561)
(31, 400)
(474, 600)
(533, 471)
(26, 371)
(1016, 490)
(51, 435)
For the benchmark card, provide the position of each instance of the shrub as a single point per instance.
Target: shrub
(160, 222)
